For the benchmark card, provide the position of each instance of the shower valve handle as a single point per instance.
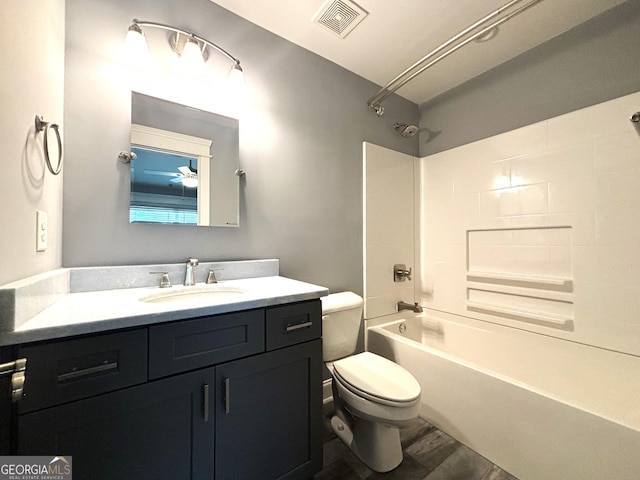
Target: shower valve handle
(400, 272)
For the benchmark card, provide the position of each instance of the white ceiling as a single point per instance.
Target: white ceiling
(397, 33)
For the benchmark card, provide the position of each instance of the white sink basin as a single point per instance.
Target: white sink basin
(190, 294)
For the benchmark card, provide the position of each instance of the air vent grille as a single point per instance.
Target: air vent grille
(340, 17)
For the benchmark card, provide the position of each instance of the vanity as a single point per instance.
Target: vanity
(222, 382)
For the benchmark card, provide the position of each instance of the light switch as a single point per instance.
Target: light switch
(42, 231)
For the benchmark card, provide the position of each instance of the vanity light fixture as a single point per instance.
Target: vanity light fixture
(191, 48)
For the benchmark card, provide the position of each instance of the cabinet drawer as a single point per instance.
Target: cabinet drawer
(67, 370)
(190, 344)
(295, 323)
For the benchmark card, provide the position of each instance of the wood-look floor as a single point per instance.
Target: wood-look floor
(429, 454)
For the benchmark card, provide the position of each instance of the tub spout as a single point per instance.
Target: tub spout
(408, 306)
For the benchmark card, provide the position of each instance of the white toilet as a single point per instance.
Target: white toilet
(372, 396)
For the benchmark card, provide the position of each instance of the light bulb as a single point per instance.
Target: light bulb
(235, 92)
(191, 60)
(136, 49)
(236, 81)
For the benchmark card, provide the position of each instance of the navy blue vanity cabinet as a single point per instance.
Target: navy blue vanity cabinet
(229, 396)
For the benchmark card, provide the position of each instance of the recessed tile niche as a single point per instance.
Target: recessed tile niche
(522, 274)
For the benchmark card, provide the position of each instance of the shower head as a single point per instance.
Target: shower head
(405, 130)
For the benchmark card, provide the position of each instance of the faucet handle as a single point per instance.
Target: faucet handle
(164, 281)
(211, 278)
(212, 275)
(192, 261)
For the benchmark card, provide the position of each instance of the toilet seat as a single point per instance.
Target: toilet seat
(377, 379)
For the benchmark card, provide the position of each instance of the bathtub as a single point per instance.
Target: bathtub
(540, 407)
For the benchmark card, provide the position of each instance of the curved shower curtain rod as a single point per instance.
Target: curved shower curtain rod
(473, 32)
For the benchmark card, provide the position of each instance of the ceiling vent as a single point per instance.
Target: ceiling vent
(339, 16)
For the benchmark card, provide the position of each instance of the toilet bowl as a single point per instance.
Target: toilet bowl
(372, 395)
(376, 388)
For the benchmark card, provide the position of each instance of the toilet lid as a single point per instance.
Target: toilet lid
(377, 377)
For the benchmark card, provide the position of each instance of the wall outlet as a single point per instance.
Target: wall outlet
(42, 231)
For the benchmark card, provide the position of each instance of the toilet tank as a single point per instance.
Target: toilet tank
(341, 319)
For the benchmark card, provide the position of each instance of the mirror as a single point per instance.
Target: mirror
(185, 166)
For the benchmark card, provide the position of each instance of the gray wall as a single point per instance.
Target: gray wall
(594, 62)
(31, 83)
(300, 144)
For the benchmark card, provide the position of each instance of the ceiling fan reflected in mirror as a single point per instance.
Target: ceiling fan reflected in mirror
(189, 175)
(186, 175)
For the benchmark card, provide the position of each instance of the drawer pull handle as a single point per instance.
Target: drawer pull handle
(205, 400)
(87, 372)
(298, 326)
(227, 395)
(10, 368)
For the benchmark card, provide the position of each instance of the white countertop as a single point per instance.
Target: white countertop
(98, 311)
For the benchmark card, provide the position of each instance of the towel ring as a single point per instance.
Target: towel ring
(42, 125)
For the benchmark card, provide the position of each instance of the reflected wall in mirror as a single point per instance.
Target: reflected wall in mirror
(185, 168)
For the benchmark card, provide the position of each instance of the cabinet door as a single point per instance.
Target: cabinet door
(269, 415)
(6, 355)
(158, 430)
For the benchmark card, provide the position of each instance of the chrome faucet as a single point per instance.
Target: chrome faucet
(407, 306)
(188, 276)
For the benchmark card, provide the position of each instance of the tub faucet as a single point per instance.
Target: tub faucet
(407, 306)
(188, 275)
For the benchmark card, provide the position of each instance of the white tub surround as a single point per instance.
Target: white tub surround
(515, 397)
(389, 190)
(70, 302)
(538, 228)
(528, 258)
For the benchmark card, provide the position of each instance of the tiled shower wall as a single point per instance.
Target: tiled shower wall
(539, 228)
(389, 228)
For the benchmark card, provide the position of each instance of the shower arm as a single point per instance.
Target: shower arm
(411, 72)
